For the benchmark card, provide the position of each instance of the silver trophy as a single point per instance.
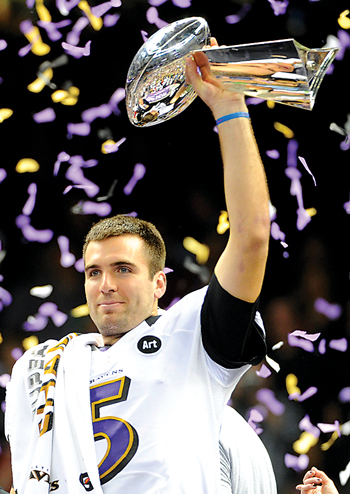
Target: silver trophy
(283, 71)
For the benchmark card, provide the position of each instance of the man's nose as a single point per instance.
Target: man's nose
(108, 283)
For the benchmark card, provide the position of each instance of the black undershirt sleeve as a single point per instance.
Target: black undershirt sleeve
(230, 334)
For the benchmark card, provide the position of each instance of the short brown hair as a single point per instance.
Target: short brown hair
(128, 225)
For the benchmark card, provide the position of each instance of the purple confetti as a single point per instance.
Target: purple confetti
(153, 18)
(306, 425)
(30, 233)
(52, 28)
(80, 129)
(99, 208)
(254, 101)
(330, 427)
(73, 37)
(89, 207)
(35, 323)
(4, 380)
(3, 44)
(156, 3)
(77, 51)
(26, 26)
(65, 6)
(62, 157)
(91, 114)
(243, 11)
(273, 154)
(49, 309)
(79, 265)
(344, 40)
(5, 298)
(344, 395)
(292, 149)
(303, 218)
(183, 4)
(322, 346)
(67, 259)
(144, 36)
(112, 148)
(76, 175)
(100, 10)
(139, 172)
(16, 353)
(47, 115)
(331, 311)
(255, 416)
(3, 174)
(302, 340)
(297, 463)
(340, 345)
(304, 396)
(263, 372)
(110, 20)
(29, 205)
(279, 6)
(115, 99)
(267, 397)
(276, 233)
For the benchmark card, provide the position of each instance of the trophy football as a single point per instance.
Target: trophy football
(283, 71)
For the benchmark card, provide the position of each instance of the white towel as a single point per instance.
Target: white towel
(62, 455)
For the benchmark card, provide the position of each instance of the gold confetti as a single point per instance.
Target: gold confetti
(68, 98)
(96, 22)
(270, 104)
(80, 311)
(30, 342)
(311, 211)
(305, 443)
(43, 13)
(27, 165)
(38, 46)
(343, 20)
(201, 251)
(1, 338)
(286, 131)
(5, 113)
(330, 442)
(291, 384)
(39, 84)
(223, 224)
(109, 142)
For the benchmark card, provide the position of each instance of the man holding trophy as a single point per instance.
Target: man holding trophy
(139, 407)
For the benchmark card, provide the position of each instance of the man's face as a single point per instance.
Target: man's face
(119, 290)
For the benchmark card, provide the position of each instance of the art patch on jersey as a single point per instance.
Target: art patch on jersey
(149, 344)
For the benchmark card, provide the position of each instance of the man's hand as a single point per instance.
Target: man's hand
(208, 87)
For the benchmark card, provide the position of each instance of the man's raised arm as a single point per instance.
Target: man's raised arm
(241, 267)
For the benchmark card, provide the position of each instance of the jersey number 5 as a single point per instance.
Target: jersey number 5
(121, 437)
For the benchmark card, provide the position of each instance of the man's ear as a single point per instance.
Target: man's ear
(160, 284)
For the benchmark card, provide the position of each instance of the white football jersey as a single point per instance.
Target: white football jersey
(157, 401)
(147, 411)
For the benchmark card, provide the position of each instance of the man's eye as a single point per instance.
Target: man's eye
(123, 269)
(94, 272)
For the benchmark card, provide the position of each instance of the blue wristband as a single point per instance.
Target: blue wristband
(231, 116)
